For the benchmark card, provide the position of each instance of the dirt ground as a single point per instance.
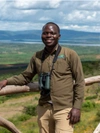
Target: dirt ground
(15, 106)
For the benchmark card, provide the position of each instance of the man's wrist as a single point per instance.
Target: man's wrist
(5, 82)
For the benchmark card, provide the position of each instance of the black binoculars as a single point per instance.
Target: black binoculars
(44, 81)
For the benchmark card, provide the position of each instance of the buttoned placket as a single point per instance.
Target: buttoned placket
(51, 57)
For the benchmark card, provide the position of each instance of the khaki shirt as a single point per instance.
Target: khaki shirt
(67, 80)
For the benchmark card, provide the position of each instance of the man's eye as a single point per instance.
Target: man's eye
(51, 33)
(44, 33)
(54, 33)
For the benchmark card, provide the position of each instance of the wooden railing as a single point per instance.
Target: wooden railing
(31, 87)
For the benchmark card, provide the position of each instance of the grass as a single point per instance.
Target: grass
(88, 123)
(21, 53)
(17, 53)
(88, 120)
(90, 117)
(26, 102)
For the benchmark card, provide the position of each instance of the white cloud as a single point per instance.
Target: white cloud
(91, 5)
(36, 4)
(76, 15)
(55, 3)
(83, 28)
(45, 18)
(14, 26)
(30, 14)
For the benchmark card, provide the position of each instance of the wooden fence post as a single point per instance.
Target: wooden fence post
(8, 125)
(33, 87)
(97, 130)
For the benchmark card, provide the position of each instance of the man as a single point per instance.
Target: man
(61, 83)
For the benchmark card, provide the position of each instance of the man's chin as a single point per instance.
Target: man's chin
(50, 45)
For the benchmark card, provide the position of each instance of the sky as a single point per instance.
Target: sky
(80, 15)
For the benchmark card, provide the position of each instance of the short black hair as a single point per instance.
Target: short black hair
(53, 24)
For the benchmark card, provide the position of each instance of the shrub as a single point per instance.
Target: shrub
(23, 117)
(30, 110)
(19, 118)
(98, 116)
(91, 97)
(3, 130)
(88, 106)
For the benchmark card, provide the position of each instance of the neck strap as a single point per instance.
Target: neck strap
(54, 59)
(56, 54)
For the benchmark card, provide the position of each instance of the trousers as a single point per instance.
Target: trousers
(50, 121)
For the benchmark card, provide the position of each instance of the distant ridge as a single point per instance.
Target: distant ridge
(67, 36)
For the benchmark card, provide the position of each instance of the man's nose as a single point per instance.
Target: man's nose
(49, 34)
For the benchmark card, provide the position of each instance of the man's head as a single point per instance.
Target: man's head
(50, 34)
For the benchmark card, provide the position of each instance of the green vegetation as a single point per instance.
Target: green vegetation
(21, 53)
(91, 68)
(17, 53)
(30, 110)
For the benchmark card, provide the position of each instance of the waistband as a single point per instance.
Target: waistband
(47, 105)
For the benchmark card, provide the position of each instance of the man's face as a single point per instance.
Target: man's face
(50, 35)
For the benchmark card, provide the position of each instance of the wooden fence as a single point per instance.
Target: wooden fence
(34, 87)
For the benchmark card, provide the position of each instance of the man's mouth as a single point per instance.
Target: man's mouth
(48, 40)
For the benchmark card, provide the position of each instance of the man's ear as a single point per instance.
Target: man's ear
(59, 36)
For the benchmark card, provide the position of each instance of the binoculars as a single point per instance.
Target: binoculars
(44, 81)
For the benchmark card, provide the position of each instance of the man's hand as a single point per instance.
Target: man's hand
(3, 83)
(74, 115)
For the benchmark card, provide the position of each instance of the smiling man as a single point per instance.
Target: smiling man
(50, 36)
(61, 83)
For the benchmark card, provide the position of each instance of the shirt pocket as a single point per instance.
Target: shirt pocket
(61, 66)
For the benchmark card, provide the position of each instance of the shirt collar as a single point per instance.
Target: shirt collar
(46, 52)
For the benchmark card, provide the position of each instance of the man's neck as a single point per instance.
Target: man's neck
(50, 50)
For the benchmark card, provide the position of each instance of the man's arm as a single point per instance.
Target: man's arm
(78, 89)
(26, 76)
(23, 78)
